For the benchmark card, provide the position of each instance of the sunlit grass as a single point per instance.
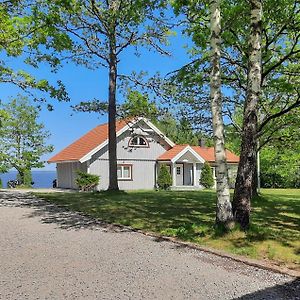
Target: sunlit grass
(275, 222)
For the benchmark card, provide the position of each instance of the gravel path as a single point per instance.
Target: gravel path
(49, 253)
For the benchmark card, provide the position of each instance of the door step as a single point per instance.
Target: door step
(186, 188)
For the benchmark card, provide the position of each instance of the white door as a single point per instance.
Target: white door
(179, 174)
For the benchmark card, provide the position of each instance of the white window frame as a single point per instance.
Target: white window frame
(122, 166)
(138, 145)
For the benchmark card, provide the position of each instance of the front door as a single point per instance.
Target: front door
(179, 174)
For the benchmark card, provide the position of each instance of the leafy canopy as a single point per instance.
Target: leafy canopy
(23, 140)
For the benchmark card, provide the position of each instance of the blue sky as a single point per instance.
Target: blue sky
(66, 126)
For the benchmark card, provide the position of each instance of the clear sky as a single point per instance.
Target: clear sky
(66, 126)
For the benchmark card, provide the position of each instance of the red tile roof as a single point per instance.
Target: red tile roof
(168, 155)
(207, 153)
(86, 143)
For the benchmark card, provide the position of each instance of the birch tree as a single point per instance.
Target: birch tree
(224, 210)
(246, 170)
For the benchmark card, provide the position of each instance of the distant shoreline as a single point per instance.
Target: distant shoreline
(41, 178)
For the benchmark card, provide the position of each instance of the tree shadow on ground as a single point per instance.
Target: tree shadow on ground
(287, 291)
(50, 213)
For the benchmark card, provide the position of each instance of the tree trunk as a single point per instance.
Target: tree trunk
(112, 137)
(224, 210)
(246, 171)
(255, 180)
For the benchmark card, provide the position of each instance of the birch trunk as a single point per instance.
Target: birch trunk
(224, 210)
(247, 167)
(112, 138)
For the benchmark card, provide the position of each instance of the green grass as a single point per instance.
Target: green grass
(275, 226)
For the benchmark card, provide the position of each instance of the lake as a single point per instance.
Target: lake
(41, 179)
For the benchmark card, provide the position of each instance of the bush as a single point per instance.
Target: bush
(207, 179)
(164, 179)
(86, 182)
(0, 183)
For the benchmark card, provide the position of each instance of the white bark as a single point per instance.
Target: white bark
(224, 210)
(246, 171)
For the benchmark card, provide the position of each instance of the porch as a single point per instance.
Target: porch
(185, 169)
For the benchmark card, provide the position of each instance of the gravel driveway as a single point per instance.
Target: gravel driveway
(49, 253)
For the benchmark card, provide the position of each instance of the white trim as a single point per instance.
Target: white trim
(185, 150)
(122, 166)
(63, 161)
(126, 127)
(154, 128)
(194, 175)
(173, 169)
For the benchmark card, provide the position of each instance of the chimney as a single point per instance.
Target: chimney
(201, 142)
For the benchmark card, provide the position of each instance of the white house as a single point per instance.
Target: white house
(141, 149)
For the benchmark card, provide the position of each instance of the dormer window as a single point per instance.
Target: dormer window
(138, 141)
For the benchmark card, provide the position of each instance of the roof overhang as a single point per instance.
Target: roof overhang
(184, 151)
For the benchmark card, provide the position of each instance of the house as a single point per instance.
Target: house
(141, 149)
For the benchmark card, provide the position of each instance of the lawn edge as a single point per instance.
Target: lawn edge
(269, 266)
(242, 259)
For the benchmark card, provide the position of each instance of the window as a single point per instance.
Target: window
(138, 141)
(124, 172)
(178, 170)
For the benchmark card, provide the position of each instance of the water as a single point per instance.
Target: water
(41, 179)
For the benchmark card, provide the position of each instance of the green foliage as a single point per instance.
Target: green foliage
(280, 166)
(22, 138)
(1, 183)
(164, 179)
(86, 182)
(27, 179)
(207, 179)
(280, 72)
(22, 28)
(180, 131)
(138, 105)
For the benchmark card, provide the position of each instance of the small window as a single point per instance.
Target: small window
(138, 141)
(124, 172)
(178, 170)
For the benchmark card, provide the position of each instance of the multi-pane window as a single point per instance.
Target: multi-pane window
(138, 141)
(124, 172)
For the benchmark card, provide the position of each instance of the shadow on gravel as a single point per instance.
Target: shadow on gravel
(287, 291)
(53, 214)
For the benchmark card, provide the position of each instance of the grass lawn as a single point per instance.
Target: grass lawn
(189, 215)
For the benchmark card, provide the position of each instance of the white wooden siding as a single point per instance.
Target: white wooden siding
(66, 174)
(143, 174)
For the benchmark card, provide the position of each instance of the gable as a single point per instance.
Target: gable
(93, 141)
(155, 144)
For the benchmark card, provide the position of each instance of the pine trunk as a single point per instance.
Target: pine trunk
(224, 210)
(246, 175)
(112, 137)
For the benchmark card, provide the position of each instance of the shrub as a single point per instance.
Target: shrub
(207, 179)
(0, 183)
(86, 182)
(164, 179)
